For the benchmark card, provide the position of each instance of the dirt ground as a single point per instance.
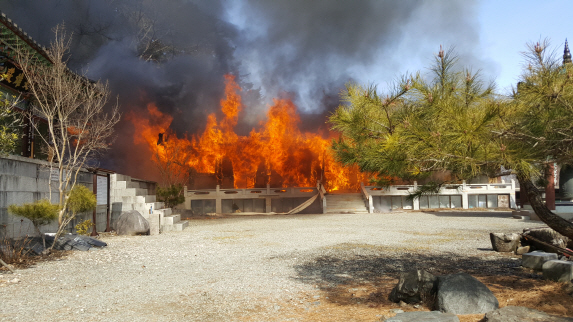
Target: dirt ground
(350, 280)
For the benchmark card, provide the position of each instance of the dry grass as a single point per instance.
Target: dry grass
(16, 254)
(369, 302)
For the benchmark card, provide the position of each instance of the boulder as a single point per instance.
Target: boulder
(131, 223)
(546, 235)
(505, 243)
(463, 294)
(434, 316)
(536, 259)
(558, 270)
(522, 314)
(414, 287)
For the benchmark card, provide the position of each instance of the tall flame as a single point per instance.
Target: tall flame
(277, 153)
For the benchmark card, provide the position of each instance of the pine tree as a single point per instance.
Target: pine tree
(454, 123)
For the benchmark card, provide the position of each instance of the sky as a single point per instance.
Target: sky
(298, 49)
(505, 27)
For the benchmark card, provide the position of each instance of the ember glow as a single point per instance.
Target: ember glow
(277, 153)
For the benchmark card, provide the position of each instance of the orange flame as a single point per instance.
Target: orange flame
(278, 153)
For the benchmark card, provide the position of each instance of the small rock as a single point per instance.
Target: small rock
(397, 311)
(522, 314)
(15, 280)
(522, 250)
(504, 242)
(403, 304)
(535, 260)
(418, 316)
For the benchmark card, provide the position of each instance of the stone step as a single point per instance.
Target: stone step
(132, 192)
(175, 227)
(345, 204)
(120, 177)
(119, 185)
(164, 211)
(150, 198)
(346, 211)
(171, 219)
(133, 199)
(155, 205)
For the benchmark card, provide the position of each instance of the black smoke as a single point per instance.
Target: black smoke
(175, 52)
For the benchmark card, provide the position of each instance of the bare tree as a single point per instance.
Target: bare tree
(72, 106)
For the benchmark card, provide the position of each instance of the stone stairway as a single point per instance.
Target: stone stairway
(134, 196)
(345, 203)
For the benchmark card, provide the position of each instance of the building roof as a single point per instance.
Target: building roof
(13, 39)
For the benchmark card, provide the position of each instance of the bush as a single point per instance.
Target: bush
(40, 213)
(80, 199)
(171, 196)
(83, 227)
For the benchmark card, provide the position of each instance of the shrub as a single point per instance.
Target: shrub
(40, 213)
(83, 227)
(171, 195)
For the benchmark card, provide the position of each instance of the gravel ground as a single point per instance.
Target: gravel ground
(258, 268)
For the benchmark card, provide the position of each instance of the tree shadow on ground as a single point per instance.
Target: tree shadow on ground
(348, 277)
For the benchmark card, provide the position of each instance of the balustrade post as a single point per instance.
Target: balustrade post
(218, 203)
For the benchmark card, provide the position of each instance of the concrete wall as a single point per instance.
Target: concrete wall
(25, 180)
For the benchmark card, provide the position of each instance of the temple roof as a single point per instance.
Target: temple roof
(13, 38)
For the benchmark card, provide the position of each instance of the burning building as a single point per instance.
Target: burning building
(278, 153)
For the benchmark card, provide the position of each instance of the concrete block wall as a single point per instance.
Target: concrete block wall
(22, 180)
(25, 180)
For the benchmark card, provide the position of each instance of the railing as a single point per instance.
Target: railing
(321, 192)
(402, 190)
(367, 197)
(290, 192)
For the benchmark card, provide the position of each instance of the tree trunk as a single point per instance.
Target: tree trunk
(552, 220)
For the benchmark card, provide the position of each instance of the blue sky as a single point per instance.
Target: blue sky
(506, 27)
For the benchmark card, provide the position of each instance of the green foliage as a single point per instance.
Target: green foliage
(83, 227)
(421, 126)
(171, 195)
(80, 199)
(539, 119)
(10, 121)
(40, 213)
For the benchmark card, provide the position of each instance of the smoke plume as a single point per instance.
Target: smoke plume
(175, 52)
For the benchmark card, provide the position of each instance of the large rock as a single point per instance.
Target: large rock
(557, 270)
(536, 259)
(546, 235)
(131, 223)
(522, 314)
(434, 316)
(463, 294)
(505, 243)
(414, 287)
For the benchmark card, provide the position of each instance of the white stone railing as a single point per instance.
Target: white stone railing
(463, 190)
(267, 193)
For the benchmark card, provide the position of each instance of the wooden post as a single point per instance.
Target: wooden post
(94, 231)
(108, 208)
(550, 188)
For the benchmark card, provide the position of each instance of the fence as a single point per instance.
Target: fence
(465, 196)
